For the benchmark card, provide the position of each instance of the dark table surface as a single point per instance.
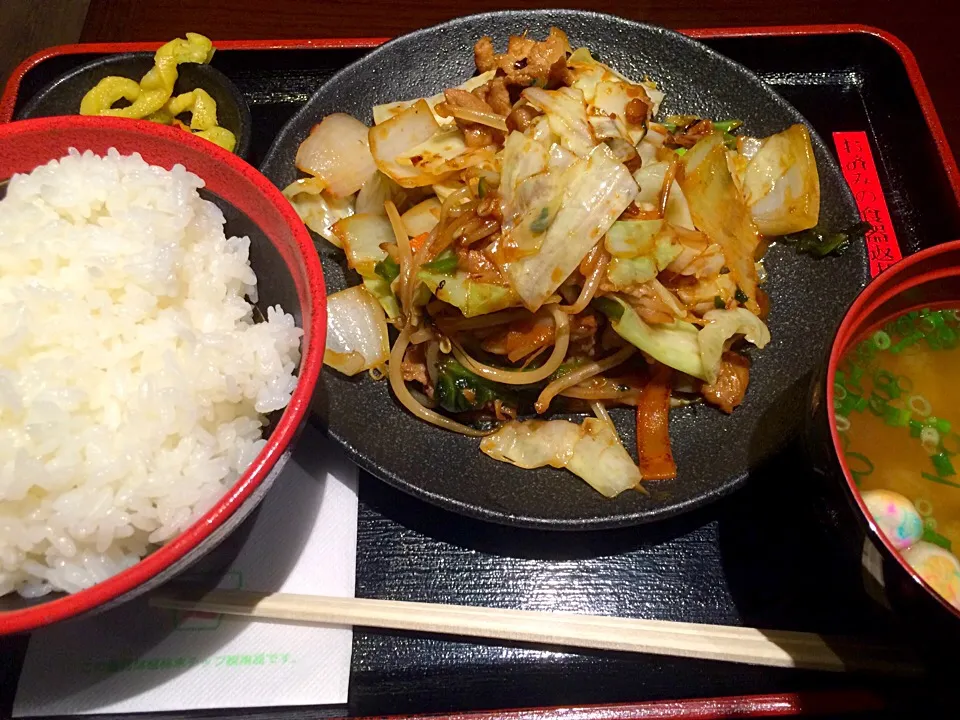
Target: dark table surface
(927, 26)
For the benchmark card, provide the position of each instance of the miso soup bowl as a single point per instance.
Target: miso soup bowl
(930, 278)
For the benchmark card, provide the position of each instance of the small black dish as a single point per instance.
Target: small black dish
(63, 95)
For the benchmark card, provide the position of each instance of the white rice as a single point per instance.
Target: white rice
(133, 378)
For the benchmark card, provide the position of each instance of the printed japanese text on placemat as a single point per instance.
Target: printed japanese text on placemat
(860, 171)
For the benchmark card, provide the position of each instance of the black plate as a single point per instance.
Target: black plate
(714, 452)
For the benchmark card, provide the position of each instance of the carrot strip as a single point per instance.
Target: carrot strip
(520, 338)
(653, 427)
(417, 242)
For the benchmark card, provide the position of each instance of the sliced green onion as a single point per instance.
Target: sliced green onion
(866, 467)
(839, 391)
(923, 506)
(878, 405)
(542, 222)
(851, 403)
(950, 443)
(920, 405)
(896, 417)
(726, 126)
(940, 480)
(933, 341)
(948, 337)
(930, 535)
(856, 373)
(444, 264)
(915, 427)
(943, 426)
(904, 325)
(930, 440)
(886, 382)
(881, 340)
(941, 461)
(927, 324)
(681, 151)
(907, 341)
(388, 269)
(815, 241)
(842, 423)
(904, 383)
(930, 523)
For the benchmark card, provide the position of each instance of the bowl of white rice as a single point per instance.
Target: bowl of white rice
(163, 328)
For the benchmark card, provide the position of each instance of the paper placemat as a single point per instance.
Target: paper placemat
(140, 659)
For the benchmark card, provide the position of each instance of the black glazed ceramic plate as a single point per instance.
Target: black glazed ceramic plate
(714, 452)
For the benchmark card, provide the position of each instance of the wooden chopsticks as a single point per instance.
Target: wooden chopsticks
(775, 648)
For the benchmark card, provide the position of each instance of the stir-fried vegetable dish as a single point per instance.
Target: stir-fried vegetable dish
(541, 244)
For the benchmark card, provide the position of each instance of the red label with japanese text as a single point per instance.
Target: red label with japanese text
(860, 171)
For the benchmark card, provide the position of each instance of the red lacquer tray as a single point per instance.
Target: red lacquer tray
(714, 566)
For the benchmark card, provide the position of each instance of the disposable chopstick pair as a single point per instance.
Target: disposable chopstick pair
(775, 648)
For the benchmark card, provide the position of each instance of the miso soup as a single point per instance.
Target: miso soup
(897, 410)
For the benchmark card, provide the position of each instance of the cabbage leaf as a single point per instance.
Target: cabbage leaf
(566, 112)
(382, 113)
(723, 325)
(674, 344)
(472, 297)
(596, 190)
(650, 178)
(592, 451)
(640, 250)
(318, 210)
(357, 337)
(719, 211)
(780, 183)
(361, 237)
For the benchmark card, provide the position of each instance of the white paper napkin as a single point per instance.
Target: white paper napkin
(139, 659)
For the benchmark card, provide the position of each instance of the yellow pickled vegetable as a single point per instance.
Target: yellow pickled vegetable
(202, 108)
(151, 97)
(107, 92)
(219, 136)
